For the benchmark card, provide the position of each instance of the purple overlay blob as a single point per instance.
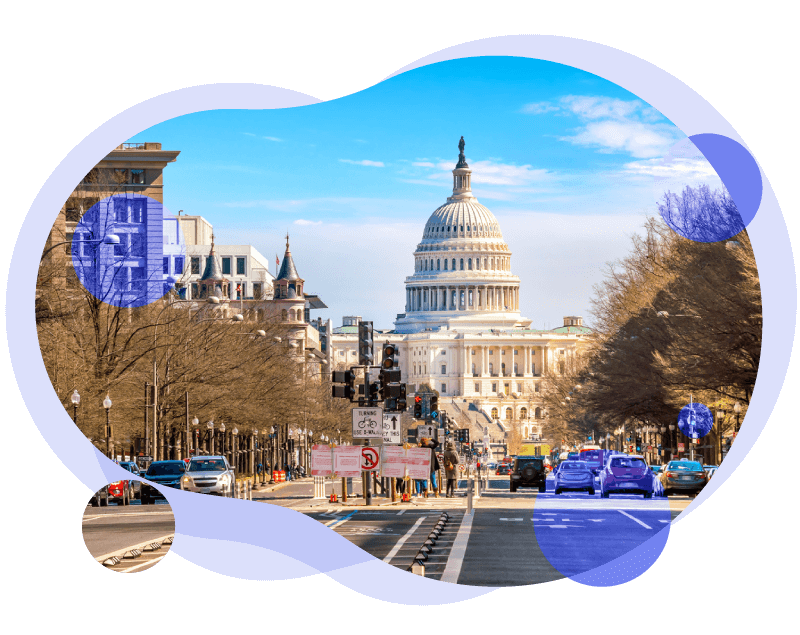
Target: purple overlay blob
(695, 419)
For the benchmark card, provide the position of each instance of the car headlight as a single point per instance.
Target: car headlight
(186, 480)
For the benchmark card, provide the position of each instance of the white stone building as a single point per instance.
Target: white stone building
(462, 333)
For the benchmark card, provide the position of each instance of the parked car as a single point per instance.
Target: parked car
(135, 486)
(120, 492)
(502, 469)
(209, 475)
(595, 459)
(574, 476)
(712, 471)
(683, 476)
(626, 474)
(164, 473)
(527, 471)
(100, 497)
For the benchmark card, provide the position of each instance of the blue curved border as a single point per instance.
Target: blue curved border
(688, 110)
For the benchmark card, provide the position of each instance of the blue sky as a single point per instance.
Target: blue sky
(569, 163)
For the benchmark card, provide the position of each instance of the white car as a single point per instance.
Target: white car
(209, 475)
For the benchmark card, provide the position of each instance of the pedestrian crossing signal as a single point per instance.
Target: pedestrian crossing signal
(417, 407)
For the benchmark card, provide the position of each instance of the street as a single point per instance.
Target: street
(112, 529)
(510, 539)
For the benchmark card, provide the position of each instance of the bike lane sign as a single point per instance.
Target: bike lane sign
(368, 423)
(391, 428)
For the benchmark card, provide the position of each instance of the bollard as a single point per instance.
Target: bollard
(393, 487)
(249, 491)
(319, 488)
(478, 487)
(344, 490)
(469, 496)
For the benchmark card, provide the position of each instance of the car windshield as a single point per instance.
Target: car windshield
(573, 465)
(207, 465)
(526, 462)
(592, 456)
(625, 462)
(686, 466)
(165, 469)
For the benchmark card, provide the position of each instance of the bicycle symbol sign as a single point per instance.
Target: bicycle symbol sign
(367, 423)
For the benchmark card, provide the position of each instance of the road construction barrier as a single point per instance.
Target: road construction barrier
(279, 476)
(319, 487)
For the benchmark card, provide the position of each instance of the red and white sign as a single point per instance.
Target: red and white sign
(347, 461)
(321, 460)
(418, 462)
(369, 459)
(681, 447)
(393, 461)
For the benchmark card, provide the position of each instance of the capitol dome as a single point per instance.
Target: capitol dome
(462, 267)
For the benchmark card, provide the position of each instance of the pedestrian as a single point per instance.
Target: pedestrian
(422, 484)
(288, 471)
(432, 444)
(450, 467)
(479, 469)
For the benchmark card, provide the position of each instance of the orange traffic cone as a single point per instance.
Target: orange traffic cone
(333, 498)
(405, 498)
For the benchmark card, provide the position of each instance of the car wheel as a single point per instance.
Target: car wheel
(558, 491)
(104, 501)
(145, 500)
(591, 491)
(604, 494)
(666, 493)
(95, 502)
(648, 495)
(513, 488)
(542, 487)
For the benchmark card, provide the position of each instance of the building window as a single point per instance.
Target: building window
(491, 368)
(121, 248)
(509, 414)
(507, 387)
(445, 265)
(523, 414)
(256, 290)
(469, 264)
(561, 368)
(473, 369)
(438, 264)
(503, 368)
(166, 264)
(473, 351)
(341, 353)
(137, 177)
(121, 210)
(533, 368)
(138, 207)
(462, 264)
(240, 266)
(503, 352)
(516, 351)
(454, 264)
(226, 266)
(491, 352)
(444, 369)
(516, 368)
(494, 410)
(179, 265)
(519, 387)
(536, 388)
(444, 389)
(477, 388)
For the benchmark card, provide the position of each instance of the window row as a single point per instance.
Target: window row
(463, 264)
(241, 265)
(538, 413)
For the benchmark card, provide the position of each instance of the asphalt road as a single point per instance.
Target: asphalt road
(108, 529)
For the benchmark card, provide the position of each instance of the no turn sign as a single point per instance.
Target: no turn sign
(369, 459)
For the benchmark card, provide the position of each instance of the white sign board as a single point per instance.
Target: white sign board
(424, 431)
(393, 461)
(367, 423)
(347, 461)
(418, 462)
(321, 460)
(391, 428)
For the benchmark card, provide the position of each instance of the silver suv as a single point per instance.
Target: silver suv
(209, 475)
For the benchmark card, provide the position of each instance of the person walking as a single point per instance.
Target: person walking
(450, 467)
(422, 485)
(432, 444)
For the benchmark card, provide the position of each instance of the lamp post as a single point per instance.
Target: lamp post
(272, 454)
(210, 433)
(737, 408)
(672, 447)
(264, 456)
(720, 417)
(107, 406)
(222, 439)
(75, 399)
(195, 425)
(235, 449)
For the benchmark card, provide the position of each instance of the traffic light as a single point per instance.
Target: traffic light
(347, 377)
(417, 407)
(391, 356)
(401, 404)
(434, 407)
(365, 350)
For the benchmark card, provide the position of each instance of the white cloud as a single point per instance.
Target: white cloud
(691, 169)
(272, 139)
(423, 164)
(591, 107)
(250, 134)
(303, 221)
(539, 108)
(638, 139)
(374, 164)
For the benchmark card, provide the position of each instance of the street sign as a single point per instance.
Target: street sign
(425, 431)
(347, 461)
(391, 429)
(393, 461)
(681, 447)
(321, 460)
(418, 462)
(369, 458)
(367, 423)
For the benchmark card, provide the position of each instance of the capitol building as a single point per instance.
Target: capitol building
(462, 333)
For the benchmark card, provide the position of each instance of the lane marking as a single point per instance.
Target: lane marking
(454, 563)
(402, 540)
(634, 519)
(117, 515)
(401, 512)
(342, 520)
(139, 566)
(511, 519)
(663, 521)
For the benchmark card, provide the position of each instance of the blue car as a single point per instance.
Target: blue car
(163, 473)
(574, 476)
(625, 474)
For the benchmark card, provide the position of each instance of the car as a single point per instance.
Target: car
(574, 476)
(100, 497)
(712, 471)
(626, 474)
(492, 465)
(135, 485)
(209, 475)
(683, 476)
(502, 469)
(595, 459)
(120, 492)
(527, 471)
(164, 473)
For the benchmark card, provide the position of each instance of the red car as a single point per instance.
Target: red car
(121, 492)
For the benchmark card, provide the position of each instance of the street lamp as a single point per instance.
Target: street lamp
(672, 448)
(235, 449)
(75, 399)
(107, 406)
(222, 442)
(737, 408)
(210, 426)
(195, 425)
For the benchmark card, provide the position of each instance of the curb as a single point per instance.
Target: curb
(115, 557)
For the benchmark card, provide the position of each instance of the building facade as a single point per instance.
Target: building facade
(462, 334)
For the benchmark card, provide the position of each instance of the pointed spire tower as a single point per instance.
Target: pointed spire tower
(213, 282)
(288, 284)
